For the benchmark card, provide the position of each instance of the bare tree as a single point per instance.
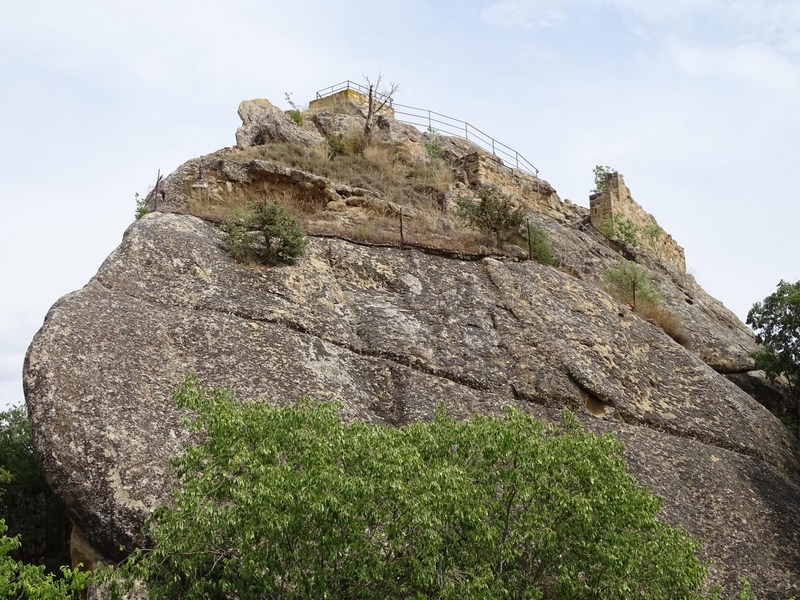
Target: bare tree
(378, 98)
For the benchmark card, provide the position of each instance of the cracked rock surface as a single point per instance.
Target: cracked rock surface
(390, 335)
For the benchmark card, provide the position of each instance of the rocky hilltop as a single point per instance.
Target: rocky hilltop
(391, 326)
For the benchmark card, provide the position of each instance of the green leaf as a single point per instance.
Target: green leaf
(291, 502)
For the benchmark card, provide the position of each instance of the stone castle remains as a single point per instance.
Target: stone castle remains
(615, 202)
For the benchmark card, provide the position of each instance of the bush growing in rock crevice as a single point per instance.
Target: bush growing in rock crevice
(628, 283)
(601, 174)
(141, 207)
(491, 215)
(282, 239)
(625, 231)
(539, 244)
(295, 114)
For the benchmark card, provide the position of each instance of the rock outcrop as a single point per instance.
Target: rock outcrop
(391, 333)
(263, 122)
(615, 202)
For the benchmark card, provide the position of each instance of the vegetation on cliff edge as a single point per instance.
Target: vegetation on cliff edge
(292, 503)
(776, 322)
(32, 555)
(281, 238)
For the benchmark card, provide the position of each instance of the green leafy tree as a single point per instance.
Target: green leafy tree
(652, 232)
(141, 206)
(776, 322)
(539, 244)
(283, 239)
(629, 283)
(24, 581)
(28, 505)
(293, 503)
(601, 174)
(491, 215)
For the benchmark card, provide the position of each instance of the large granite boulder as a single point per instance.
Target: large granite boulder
(263, 122)
(390, 334)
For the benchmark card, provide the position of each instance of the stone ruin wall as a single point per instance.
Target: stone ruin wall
(616, 201)
(348, 97)
(529, 191)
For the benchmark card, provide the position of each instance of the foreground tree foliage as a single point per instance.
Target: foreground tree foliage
(24, 581)
(28, 506)
(291, 503)
(776, 322)
(28, 503)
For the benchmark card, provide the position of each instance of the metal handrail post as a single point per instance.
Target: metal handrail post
(480, 138)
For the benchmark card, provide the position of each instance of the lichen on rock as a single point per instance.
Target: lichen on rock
(390, 332)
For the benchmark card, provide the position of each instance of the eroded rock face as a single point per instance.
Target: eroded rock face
(615, 202)
(391, 334)
(263, 122)
(714, 333)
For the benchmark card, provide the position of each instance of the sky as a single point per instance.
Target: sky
(695, 102)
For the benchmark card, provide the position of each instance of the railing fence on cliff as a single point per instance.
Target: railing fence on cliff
(437, 122)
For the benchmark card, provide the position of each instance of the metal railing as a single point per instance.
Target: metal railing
(352, 85)
(434, 122)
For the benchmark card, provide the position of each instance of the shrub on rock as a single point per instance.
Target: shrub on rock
(293, 503)
(491, 215)
(283, 239)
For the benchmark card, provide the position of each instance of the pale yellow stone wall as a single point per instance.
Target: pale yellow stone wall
(347, 96)
(525, 190)
(616, 201)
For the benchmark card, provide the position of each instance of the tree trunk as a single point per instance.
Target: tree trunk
(370, 114)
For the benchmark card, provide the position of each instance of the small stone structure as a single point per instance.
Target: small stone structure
(616, 201)
(345, 97)
(481, 168)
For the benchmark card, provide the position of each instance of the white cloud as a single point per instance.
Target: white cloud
(792, 45)
(767, 18)
(755, 64)
(752, 42)
(659, 12)
(513, 14)
(530, 14)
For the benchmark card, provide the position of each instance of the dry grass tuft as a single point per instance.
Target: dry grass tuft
(427, 230)
(385, 169)
(666, 320)
(383, 156)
